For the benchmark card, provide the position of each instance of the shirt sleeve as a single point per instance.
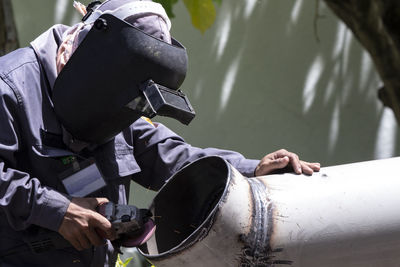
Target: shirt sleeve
(23, 200)
(160, 153)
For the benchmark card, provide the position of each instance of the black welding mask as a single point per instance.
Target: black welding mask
(116, 75)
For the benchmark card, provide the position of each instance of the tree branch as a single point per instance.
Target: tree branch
(376, 24)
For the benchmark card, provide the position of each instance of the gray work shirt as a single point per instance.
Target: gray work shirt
(32, 196)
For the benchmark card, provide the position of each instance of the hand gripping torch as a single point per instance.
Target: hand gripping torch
(132, 225)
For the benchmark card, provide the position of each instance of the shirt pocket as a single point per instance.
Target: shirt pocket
(48, 163)
(116, 161)
(51, 152)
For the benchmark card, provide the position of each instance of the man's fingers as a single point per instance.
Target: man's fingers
(81, 221)
(104, 225)
(101, 200)
(83, 241)
(295, 162)
(94, 238)
(306, 169)
(278, 164)
(294, 159)
(309, 168)
(76, 238)
(84, 236)
(315, 166)
(280, 159)
(269, 165)
(89, 203)
(281, 162)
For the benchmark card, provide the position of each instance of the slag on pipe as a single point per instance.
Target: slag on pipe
(208, 214)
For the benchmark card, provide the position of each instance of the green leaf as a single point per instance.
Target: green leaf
(168, 4)
(120, 263)
(202, 13)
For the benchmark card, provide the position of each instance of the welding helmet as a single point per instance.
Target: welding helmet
(117, 74)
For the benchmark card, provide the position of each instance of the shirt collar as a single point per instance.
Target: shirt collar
(45, 47)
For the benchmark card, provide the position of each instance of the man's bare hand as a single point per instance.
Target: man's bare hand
(81, 221)
(281, 159)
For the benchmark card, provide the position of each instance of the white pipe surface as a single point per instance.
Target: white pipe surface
(345, 215)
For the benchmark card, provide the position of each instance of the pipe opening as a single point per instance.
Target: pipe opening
(185, 205)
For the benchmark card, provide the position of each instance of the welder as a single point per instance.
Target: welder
(75, 130)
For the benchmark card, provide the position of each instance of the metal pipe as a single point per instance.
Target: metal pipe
(210, 215)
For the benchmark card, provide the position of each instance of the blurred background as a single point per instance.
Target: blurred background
(268, 74)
